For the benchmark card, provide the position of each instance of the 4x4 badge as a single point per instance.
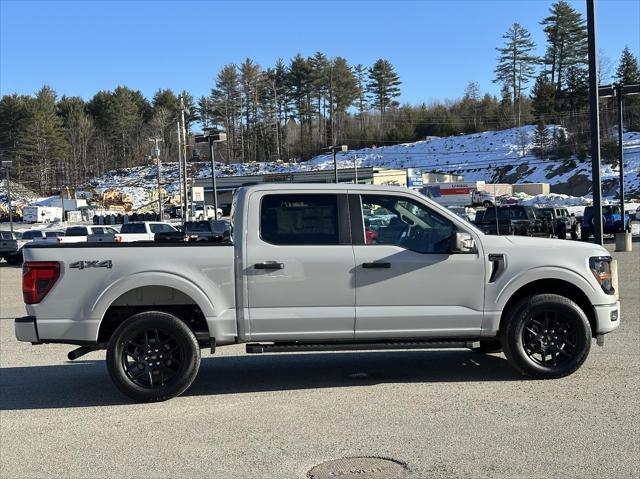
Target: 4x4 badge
(91, 264)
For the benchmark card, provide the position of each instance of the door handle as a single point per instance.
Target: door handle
(269, 265)
(376, 264)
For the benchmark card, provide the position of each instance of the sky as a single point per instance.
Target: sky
(437, 47)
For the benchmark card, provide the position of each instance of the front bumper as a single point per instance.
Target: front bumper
(607, 317)
(27, 330)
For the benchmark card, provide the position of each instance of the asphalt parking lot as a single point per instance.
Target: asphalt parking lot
(442, 413)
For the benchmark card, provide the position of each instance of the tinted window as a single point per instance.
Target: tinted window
(134, 228)
(160, 228)
(394, 220)
(27, 235)
(76, 231)
(6, 235)
(197, 227)
(299, 219)
(53, 234)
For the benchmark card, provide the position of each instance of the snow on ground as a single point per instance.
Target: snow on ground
(479, 156)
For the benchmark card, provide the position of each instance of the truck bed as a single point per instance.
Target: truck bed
(99, 279)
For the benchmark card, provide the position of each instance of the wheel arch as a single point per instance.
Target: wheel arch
(148, 292)
(557, 286)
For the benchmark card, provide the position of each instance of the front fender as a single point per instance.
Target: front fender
(541, 273)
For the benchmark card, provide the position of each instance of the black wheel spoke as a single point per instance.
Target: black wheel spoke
(152, 358)
(549, 339)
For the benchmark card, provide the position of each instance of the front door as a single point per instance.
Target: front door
(408, 285)
(299, 267)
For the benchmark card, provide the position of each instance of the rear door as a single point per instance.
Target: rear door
(299, 267)
(408, 285)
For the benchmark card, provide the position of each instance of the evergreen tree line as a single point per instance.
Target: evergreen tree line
(292, 111)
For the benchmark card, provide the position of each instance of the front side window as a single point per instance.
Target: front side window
(76, 231)
(394, 220)
(133, 228)
(299, 219)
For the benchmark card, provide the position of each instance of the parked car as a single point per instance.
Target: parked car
(78, 234)
(512, 220)
(210, 230)
(611, 221)
(298, 273)
(9, 247)
(562, 222)
(142, 231)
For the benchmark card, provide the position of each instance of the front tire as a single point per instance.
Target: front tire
(546, 336)
(153, 356)
(576, 232)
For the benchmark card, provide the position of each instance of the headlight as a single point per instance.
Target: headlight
(601, 268)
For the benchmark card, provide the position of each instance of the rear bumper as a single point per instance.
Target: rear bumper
(27, 330)
(607, 317)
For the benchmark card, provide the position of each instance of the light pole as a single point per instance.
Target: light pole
(355, 167)
(213, 136)
(335, 149)
(155, 151)
(6, 165)
(180, 185)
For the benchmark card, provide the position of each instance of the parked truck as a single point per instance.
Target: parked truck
(42, 214)
(463, 193)
(301, 272)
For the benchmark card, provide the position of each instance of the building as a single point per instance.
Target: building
(226, 185)
(532, 189)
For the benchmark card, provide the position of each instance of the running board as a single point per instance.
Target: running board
(258, 348)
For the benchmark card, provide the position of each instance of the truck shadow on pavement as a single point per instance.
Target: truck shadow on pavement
(86, 383)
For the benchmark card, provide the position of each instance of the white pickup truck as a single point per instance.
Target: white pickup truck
(321, 267)
(142, 231)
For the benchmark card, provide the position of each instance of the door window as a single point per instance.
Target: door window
(394, 220)
(76, 231)
(299, 219)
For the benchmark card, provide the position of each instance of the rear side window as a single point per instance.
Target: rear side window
(76, 231)
(53, 234)
(299, 219)
(134, 228)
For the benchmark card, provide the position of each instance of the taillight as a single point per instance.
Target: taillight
(59, 239)
(118, 239)
(38, 277)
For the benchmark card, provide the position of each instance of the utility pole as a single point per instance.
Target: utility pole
(184, 157)
(212, 136)
(7, 166)
(180, 184)
(155, 151)
(594, 112)
(618, 90)
(334, 149)
(355, 167)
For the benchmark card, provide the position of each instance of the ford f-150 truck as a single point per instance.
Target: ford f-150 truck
(301, 272)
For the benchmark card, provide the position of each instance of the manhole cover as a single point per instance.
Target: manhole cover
(360, 467)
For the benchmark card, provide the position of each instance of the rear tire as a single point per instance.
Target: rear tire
(584, 235)
(153, 356)
(546, 336)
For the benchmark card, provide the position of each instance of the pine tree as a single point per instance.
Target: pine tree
(226, 106)
(360, 72)
(566, 41)
(384, 86)
(543, 95)
(627, 71)
(541, 140)
(345, 92)
(516, 65)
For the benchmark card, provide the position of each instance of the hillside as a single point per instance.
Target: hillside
(494, 156)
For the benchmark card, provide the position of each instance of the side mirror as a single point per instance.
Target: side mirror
(462, 243)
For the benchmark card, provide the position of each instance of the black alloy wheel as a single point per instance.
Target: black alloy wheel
(546, 336)
(153, 356)
(550, 339)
